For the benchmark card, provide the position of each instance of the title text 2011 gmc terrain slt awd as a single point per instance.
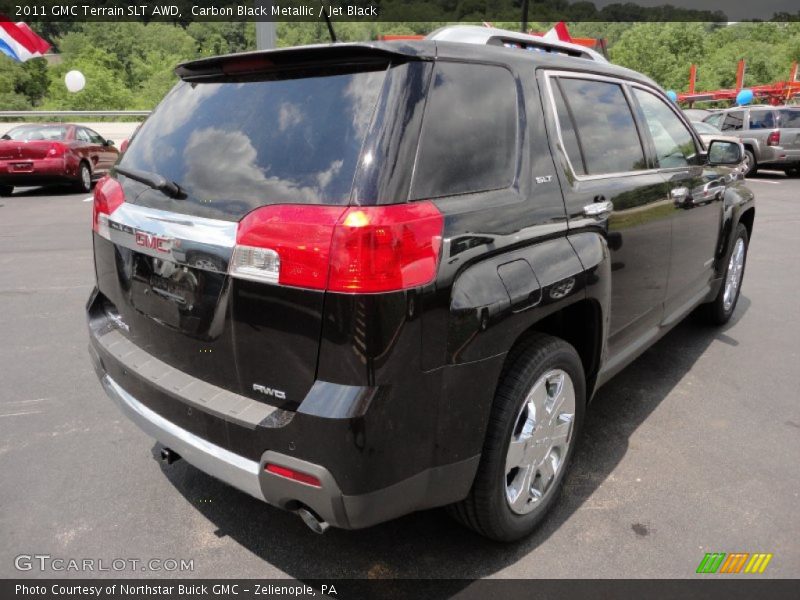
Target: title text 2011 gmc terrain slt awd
(359, 280)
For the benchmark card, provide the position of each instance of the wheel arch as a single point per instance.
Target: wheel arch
(747, 218)
(580, 324)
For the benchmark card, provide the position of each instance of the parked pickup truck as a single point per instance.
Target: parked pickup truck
(770, 134)
(364, 279)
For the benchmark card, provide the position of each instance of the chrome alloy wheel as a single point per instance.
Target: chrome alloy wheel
(540, 441)
(733, 279)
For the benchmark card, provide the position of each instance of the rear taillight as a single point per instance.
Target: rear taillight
(287, 244)
(56, 150)
(108, 196)
(384, 248)
(355, 250)
(774, 138)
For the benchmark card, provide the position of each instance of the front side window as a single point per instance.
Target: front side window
(762, 119)
(95, 137)
(673, 142)
(606, 137)
(733, 121)
(469, 132)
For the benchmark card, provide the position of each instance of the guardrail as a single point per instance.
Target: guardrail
(25, 114)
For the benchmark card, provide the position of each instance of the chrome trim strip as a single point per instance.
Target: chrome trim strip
(231, 468)
(549, 74)
(185, 239)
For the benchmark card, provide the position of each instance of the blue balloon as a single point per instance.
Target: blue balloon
(744, 97)
(672, 96)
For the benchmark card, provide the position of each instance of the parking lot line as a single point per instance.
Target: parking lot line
(89, 199)
(763, 181)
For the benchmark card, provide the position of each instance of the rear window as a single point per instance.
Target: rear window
(469, 132)
(789, 118)
(30, 133)
(235, 146)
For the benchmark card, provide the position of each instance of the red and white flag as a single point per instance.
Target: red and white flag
(559, 32)
(19, 42)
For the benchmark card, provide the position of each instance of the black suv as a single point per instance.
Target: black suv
(360, 280)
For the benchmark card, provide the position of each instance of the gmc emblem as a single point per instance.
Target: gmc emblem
(152, 241)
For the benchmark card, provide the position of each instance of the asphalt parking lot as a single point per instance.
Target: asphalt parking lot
(692, 449)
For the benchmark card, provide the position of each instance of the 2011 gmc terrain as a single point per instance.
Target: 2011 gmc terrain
(359, 280)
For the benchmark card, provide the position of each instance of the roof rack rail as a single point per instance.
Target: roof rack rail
(491, 36)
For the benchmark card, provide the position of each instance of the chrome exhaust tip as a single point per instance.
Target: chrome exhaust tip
(169, 456)
(313, 522)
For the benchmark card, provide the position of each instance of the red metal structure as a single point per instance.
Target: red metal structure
(779, 92)
(598, 44)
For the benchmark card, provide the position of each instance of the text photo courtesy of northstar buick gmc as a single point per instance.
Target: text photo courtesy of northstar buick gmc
(364, 279)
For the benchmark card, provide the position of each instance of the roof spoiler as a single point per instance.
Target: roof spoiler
(300, 59)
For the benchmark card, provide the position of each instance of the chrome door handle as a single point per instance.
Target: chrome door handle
(598, 209)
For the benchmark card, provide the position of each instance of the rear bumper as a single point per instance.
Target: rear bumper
(231, 468)
(40, 172)
(779, 156)
(432, 485)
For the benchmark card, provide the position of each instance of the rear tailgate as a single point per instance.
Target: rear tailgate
(20, 150)
(233, 144)
(789, 123)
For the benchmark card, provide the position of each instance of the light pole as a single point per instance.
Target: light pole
(265, 30)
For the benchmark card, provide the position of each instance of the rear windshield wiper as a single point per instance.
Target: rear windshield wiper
(154, 180)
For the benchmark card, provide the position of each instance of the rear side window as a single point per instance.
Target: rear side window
(235, 146)
(606, 137)
(733, 121)
(789, 118)
(469, 132)
(762, 119)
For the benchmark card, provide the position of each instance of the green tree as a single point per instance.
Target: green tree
(104, 89)
(663, 51)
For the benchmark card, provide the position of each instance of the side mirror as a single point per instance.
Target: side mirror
(723, 152)
(109, 143)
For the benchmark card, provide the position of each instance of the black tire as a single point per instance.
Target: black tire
(84, 183)
(716, 312)
(792, 171)
(6, 190)
(752, 165)
(486, 509)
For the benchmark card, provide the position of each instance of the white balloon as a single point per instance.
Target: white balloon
(75, 81)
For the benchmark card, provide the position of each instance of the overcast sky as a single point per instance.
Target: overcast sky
(735, 9)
